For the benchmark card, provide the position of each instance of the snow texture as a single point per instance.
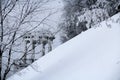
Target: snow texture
(92, 55)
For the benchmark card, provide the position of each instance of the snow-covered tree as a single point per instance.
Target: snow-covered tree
(80, 11)
(93, 17)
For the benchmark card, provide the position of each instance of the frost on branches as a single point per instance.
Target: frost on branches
(93, 17)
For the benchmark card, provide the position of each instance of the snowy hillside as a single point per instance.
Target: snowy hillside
(92, 55)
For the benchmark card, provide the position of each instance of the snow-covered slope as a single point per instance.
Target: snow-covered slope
(92, 55)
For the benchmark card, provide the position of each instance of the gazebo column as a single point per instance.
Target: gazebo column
(49, 45)
(33, 50)
(43, 49)
(25, 52)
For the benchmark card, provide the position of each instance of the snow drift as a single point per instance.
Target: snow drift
(92, 55)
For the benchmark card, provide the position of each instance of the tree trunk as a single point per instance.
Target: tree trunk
(1, 38)
(0, 64)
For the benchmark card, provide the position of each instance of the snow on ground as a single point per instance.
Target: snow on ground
(92, 55)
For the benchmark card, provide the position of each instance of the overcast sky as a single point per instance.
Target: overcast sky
(55, 19)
